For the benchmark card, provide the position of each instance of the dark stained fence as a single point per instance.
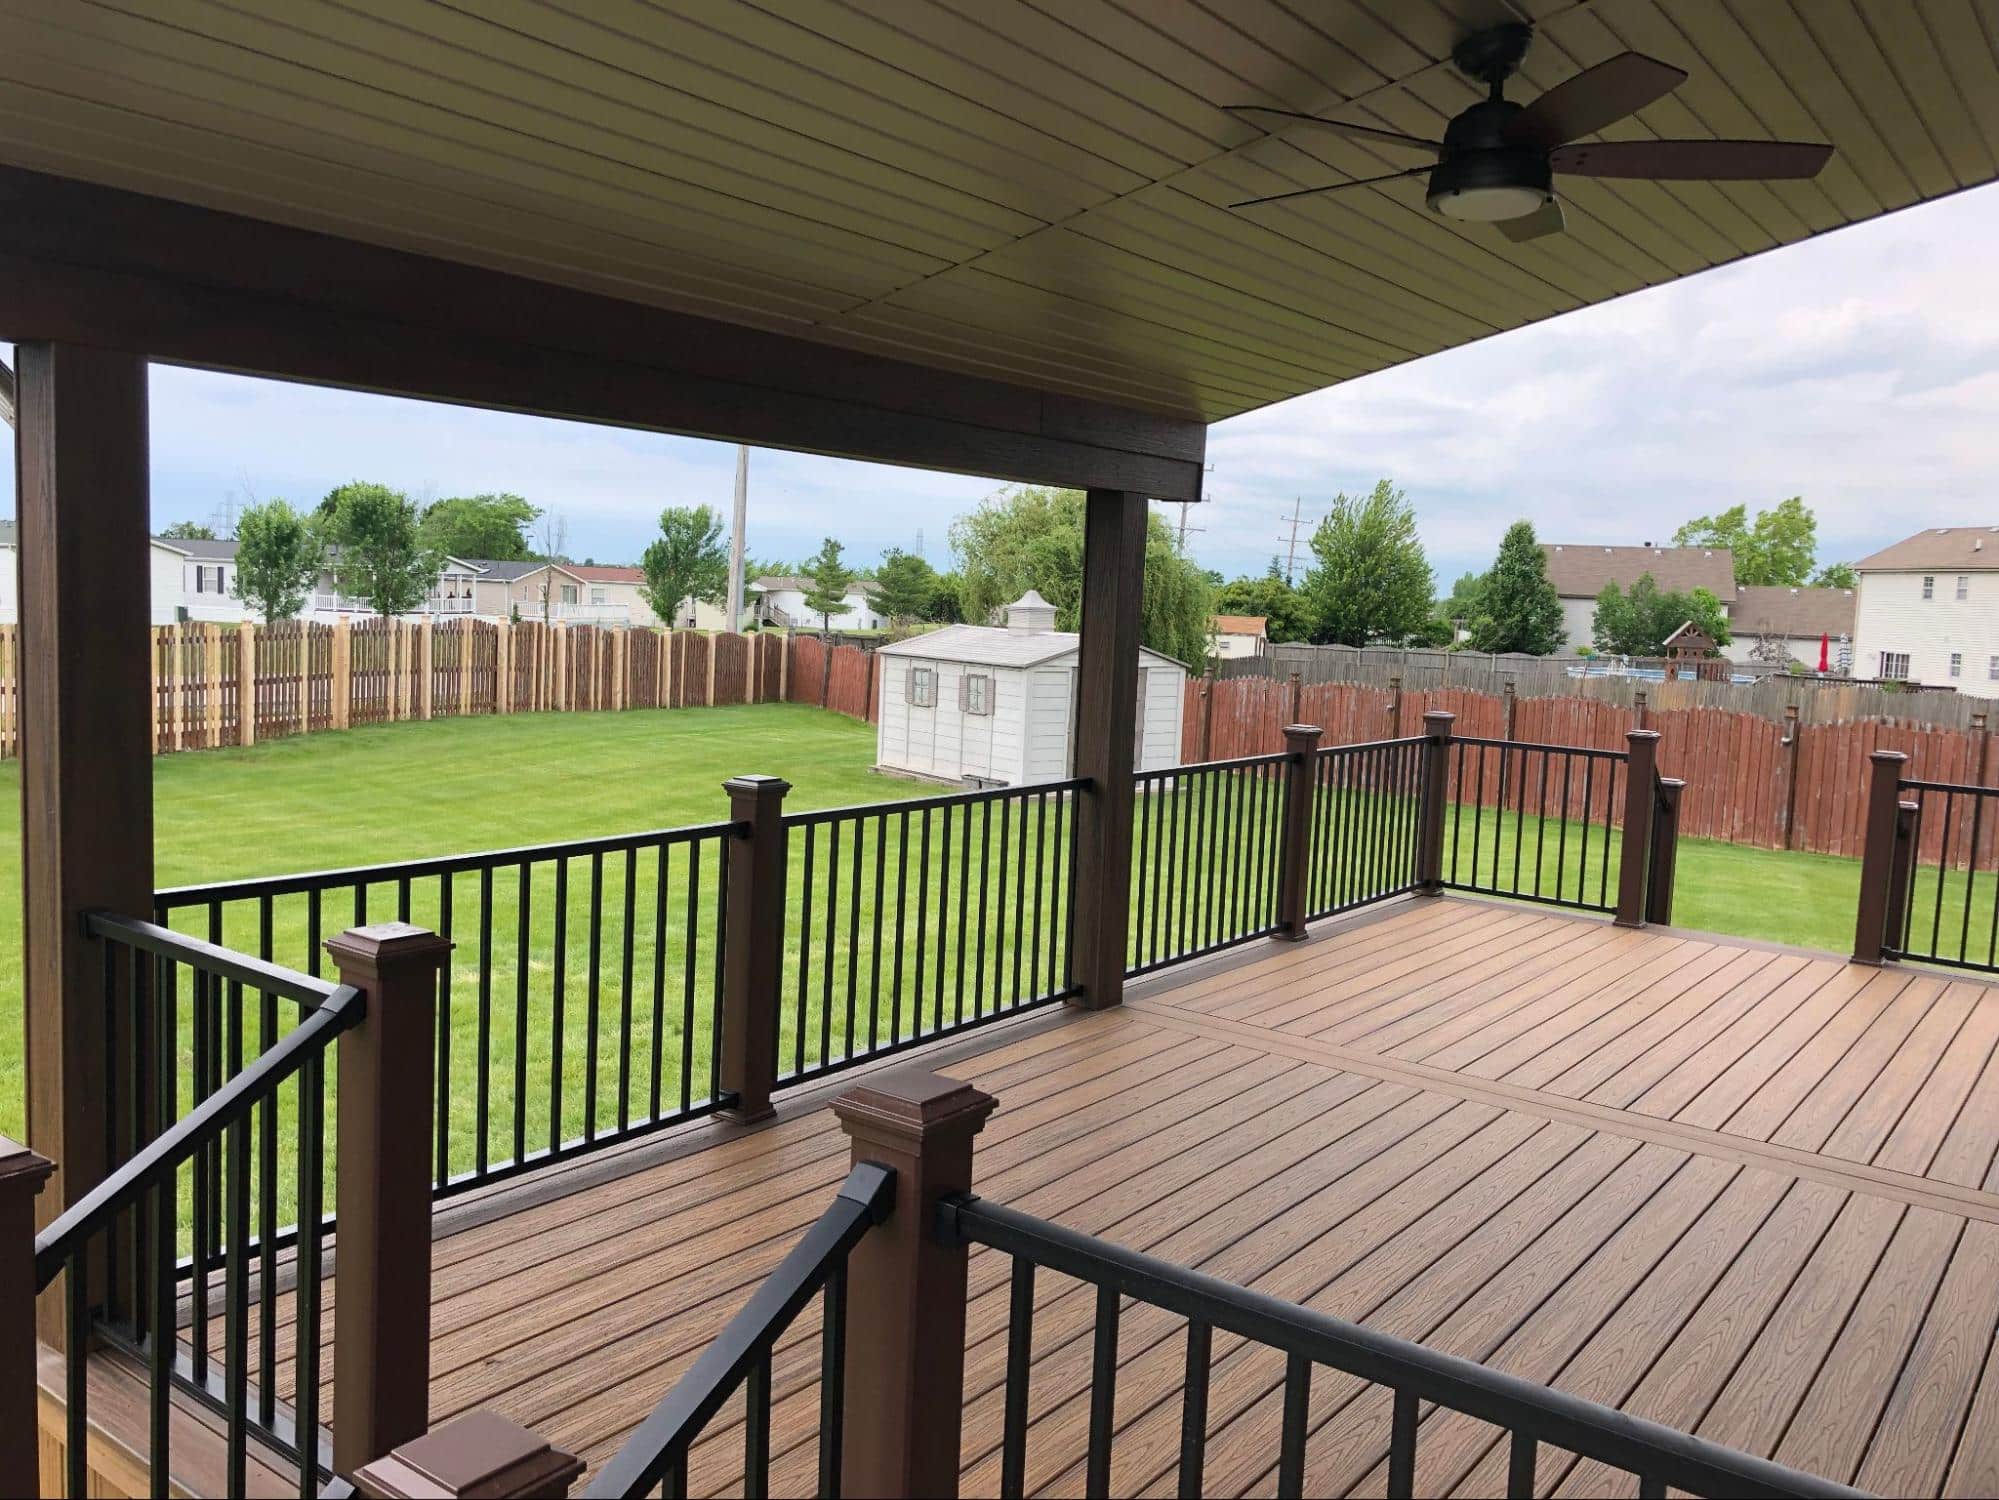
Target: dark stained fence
(732, 668)
(1205, 854)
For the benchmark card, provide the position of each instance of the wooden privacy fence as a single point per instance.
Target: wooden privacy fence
(1782, 785)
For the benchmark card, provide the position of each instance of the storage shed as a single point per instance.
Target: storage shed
(995, 705)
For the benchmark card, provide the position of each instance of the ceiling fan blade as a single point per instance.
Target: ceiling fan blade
(1594, 98)
(1331, 187)
(1676, 161)
(1547, 219)
(1274, 120)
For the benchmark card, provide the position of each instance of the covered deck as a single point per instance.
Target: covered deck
(1743, 1190)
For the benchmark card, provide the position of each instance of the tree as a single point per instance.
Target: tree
(689, 561)
(1637, 623)
(1837, 575)
(1459, 608)
(1275, 600)
(945, 594)
(279, 556)
(1518, 609)
(831, 578)
(1776, 549)
(381, 556)
(190, 531)
(484, 526)
(1030, 537)
(1372, 582)
(907, 584)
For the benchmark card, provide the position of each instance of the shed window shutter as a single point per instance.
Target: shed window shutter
(964, 692)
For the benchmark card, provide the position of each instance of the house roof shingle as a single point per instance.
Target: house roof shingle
(598, 573)
(1792, 612)
(1580, 571)
(1238, 624)
(1972, 548)
(777, 582)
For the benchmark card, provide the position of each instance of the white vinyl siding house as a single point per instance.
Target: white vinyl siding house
(1928, 610)
(996, 706)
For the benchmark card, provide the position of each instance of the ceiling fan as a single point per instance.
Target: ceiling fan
(1497, 161)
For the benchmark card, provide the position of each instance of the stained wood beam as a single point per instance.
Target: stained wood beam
(194, 286)
(1106, 738)
(86, 761)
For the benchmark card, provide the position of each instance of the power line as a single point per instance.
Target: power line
(1291, 545)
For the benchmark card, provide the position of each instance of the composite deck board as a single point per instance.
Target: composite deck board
(1739, 1189)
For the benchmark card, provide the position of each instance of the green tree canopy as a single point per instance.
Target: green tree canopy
(486, 526)
(278, 559)
(1271, 597)
(688, 561)
(1636, 623)
(1371, 581)
(1776, 548)
(1517, 608)
(382, 557)
(908, 586)
(831, 578)
(1836, 575)
(189, 531)
(1030, 537)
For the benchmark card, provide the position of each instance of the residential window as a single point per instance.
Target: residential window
(1963, 587)
(1929, 586)
(569, 593)
(975, 693)
(597, 596)
(1992, 668)
(920, 687)
(1895, 665)
(1957, 664)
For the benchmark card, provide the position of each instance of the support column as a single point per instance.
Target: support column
(906, 1288)
(1878, 856)
(1106, 741)
(1301, 773)
(86, 766)
(1640, 801)
(1436, 776)
(752, 963)
(22, 1174)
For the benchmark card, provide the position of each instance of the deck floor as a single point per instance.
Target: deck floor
(1742, 1190)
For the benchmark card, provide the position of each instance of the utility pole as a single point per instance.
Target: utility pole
(919, 541)
(1291, 545)
(1184, 527)
(736, 537)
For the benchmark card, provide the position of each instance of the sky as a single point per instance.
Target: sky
(1859, 370)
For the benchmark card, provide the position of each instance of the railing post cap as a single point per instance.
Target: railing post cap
(1439, 718)
(381, 947)
(1303, 731)
(23, 1164)
(1887, 757)
(1641, 734)
(761, 786)
(912, 1107)
(480, 1453)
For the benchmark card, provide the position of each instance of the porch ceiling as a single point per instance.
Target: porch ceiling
(1015, 189)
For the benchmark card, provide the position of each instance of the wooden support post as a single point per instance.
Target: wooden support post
(1511, 703)
(1205, 746)
(381, 1320)
(1642, 716)
(906, 1288)
(246, 684)
(1665, 852)
(1640, 800)
(22, 1173)
(304, 676)
(711, 670)
(784, 669)
(426, 667)
(1982, 732)
(1436, 774)
(1294, 856)
(467, 639)
(85, 738)
(177, 681)
(1878, 855)
(868, 707)
(1106, 742)
(479, 1453)
(211, 683)
(503, 667)
(825, 669)
(343, 674)
(752, 965)
(1297, 698)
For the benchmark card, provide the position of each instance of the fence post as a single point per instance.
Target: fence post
(1294, 859)
(1511, 704)
(1791, 743)
(1877, 857)
(343, 674)
(1206, 743)
(1395, 708)
(906, 1287)
(825, 669)
(1640, 798)
(211, 683)
(1665, 851)
(427, 665)
(22, 1173)
(246, 684)
(503, 667)
(1980, 726)
(383, 1114)
(1642, 713)
(1430, 816)
(752, 960)
(1297, 698)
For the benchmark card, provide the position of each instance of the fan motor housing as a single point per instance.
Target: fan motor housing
(1481, 176)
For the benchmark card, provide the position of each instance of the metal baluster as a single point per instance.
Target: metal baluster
(854, 933)
(832, 1380)
(964, 893)
(880, 901)
(832, 925)
(1103, 1394)
(76, 1378)
(1019, 1362)
(164, 1334)
(523, 929)
(1194, 1409)
(236, 1307)
(1582, 853)
(756, 1429)
(306, 1293)
(1651, 1487)
(1144, 877)
(1402, 1448)
(943, 916)
(804, 955)
(1457, 753)
(722, 857)
(1541, 823)
(999, 931)
(985, 883)
(625, 992)
(687, 962)
(659, 884)
(558, 976)
(1291, 1445)
(1521, 1454)
(901, 926)
(922, 925)
(1943, 861)
(1970, 872)
(204, 1166)
(593, 1013)
(444, 894)
(1040, 891)
(1562, 828)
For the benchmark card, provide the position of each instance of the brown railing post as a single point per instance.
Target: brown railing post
(1665, 851)
(1877, 858)
(1294, 857)
(480, 1453)
(1430, 814)
(1901, 876)
(22, 1173)
(1640, 798)
(906, 1288)
(752, 950)
(381, 1321)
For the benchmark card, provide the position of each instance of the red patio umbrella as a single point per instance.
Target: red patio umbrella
(1825, 645)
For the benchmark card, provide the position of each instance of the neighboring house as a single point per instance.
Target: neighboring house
(1795, 619)
(612, 596)
(1579, 573)
(1928, 610)
(1232, 636)
(502, 589)
(995, 705)
(195, 579)
(781, 601)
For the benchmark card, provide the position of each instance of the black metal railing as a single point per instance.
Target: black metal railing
(579, 1006)
(655, 1455)
(1943, 908)
(1534, 822)
(907, 921)
(1531, 1416)
(1366, 805)
(196, 1193)
(1206, 844)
